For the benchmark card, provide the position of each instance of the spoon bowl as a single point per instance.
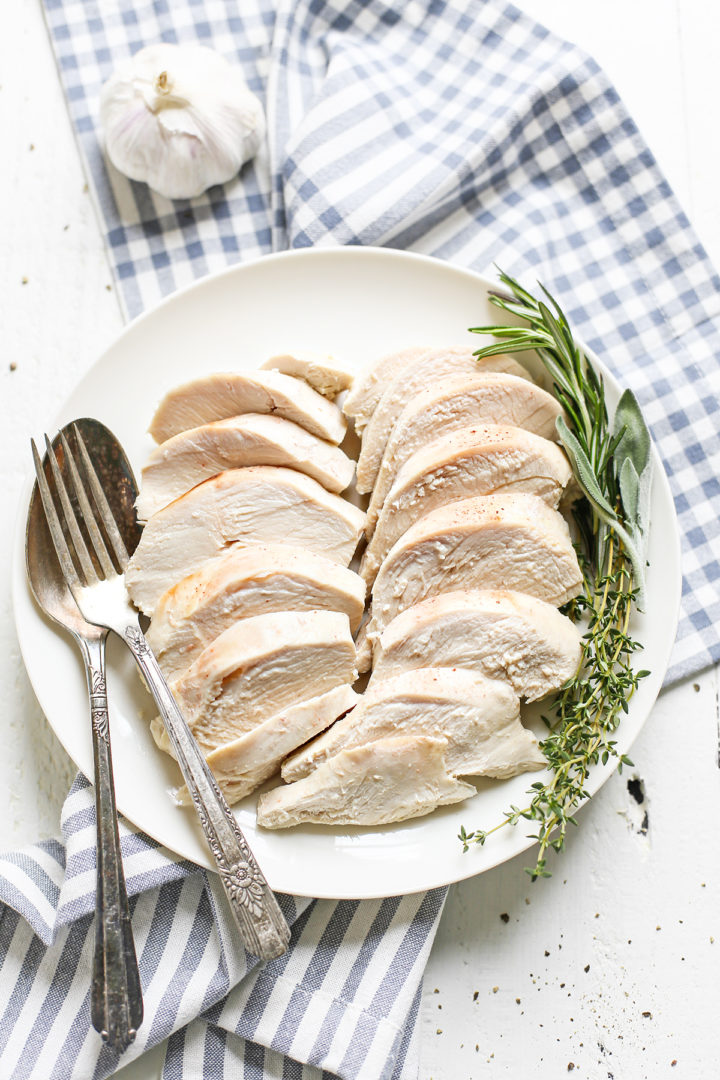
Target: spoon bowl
(45, 577)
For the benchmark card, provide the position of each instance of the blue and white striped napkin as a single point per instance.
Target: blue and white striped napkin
(342, 1002)
(461, 129)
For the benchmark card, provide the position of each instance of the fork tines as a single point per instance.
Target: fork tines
(78, 514)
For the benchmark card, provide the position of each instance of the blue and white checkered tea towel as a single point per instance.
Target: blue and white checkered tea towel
(461, 129)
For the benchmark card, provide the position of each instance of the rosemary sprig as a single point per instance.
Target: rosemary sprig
(613, 468)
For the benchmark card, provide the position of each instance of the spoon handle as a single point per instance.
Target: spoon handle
(257, 913)
(116, 1003)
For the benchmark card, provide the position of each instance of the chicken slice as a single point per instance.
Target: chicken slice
(478, 460)
(385, 781)
(187, 459)
(225, 394)
(323, 373)
(510, 541)
(363, 646)
(241, 766)
(502, 634)
(479, 717)
(458, 402)
(258, 505)
(245, 582)
(369, 386)
(261, 666)
(432, 368)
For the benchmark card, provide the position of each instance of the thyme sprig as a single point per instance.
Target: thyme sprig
(613, 468)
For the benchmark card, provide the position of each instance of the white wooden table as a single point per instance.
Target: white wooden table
(608, 969)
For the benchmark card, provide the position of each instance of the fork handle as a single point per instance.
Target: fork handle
(116, 1003)
(257, 913)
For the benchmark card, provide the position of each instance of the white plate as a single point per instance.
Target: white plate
(357, 303)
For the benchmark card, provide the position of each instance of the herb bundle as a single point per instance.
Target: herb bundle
(613, 468)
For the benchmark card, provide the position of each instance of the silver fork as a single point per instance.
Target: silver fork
(99, 591)
(116, 1005)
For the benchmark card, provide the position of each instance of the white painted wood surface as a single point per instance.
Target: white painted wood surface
(606, 970)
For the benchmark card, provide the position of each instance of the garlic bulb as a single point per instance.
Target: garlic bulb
(181, 118)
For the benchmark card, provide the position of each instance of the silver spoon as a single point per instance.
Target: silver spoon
(116, 1004)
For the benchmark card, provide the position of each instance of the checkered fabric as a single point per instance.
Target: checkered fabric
(457, 128)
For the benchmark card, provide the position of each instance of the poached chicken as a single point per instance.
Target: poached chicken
(511, 541)
(461, 402)
(388, 780)
(477, 460)
(256, 505)
(479, 717)
(224, 394)
(241, 583)
(502, 634)
(192, 456)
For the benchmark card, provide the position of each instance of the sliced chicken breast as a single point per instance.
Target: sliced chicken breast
(258, 505)
(240, 584)
(502, 634)
(478, 460)
(261, 666)
(510, 541)
(241, 766)
(324, 373)
(225, 394)
(370, 384)
(195, 455)
(431, 369)
(479, 717)
(459, 402)
(363, 646)
(385, 781)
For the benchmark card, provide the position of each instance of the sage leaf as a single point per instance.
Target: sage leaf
(630, 491)
(643, 510)
(634, 442)
(586, 478)
(633, 450)
(583, 470)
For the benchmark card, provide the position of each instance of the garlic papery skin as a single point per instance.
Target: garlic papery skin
(180, 118)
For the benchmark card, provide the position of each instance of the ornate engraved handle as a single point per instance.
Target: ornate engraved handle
(116, 1003)
(261, 923)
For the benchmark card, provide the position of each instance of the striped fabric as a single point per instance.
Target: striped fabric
(342, 1002)
(458, 128)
